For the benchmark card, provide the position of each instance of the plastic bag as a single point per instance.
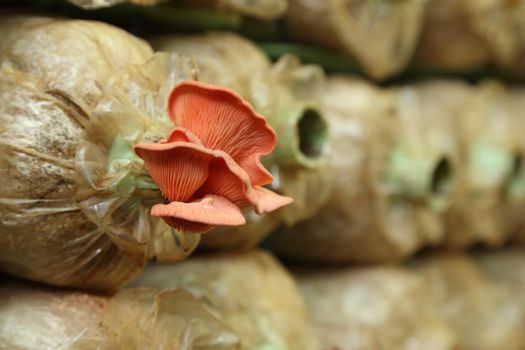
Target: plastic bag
(372, 308)
(76, 96)
(483, 313)
(506, 266)
(251, 293)
(261, 9)
(429, 161)
(381, 35)
(501, 24)
(287, 93)
(37, 317)
(435, 163)
(244, 237)
(291, 95)
(442, 301)
(428, 156)
(489, 136)
(96, 4)
(514, 194)
(223, 58)
(362, 221)
(467, 35)
(448, 40)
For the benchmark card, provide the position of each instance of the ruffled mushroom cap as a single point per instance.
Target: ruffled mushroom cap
(208, 167)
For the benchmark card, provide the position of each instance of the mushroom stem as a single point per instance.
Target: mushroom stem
(302, 136)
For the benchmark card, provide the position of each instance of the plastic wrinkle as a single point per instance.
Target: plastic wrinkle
(137, 318)
(60, 162)
(70, 216)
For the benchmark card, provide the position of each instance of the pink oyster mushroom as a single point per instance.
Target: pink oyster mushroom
(208, 167)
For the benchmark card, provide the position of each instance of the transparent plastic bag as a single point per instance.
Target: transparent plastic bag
(448, 41)
(372, 308)
(501, 24)
(261, 9)
(222, 58)
(242, 238)
(288, 94)
(251, 293)
(96, 4)
(73, 59)
(381, 35)
(362, 221)
(467, 35)
(76, 96)
(429, 161)
(440, 301)
(506, 266)
(433, 163)
(38, 317)
(514, 195)
(427, 158)
(489, 137)
(482, 313)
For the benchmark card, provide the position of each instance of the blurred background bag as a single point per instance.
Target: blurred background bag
(250, 292)
(38, 317)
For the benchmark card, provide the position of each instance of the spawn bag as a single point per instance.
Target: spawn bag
(74, 207)
(251, 293)
(261, 9)
(489, 141)
(363, 221)
(483, 313)
(96, 4)
(372, 308)
(287, 93)
(505, 266)
(448, 40)
(394, 195)
(35, 317)
(501, 24)
(381, 35)
(294, 105)
(223, 58)
(242, 238)
(467, 35)
(515, 188)
(427, 156)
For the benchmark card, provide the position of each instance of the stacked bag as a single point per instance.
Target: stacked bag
(377, 175)
(75, 95)
(434, 164)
